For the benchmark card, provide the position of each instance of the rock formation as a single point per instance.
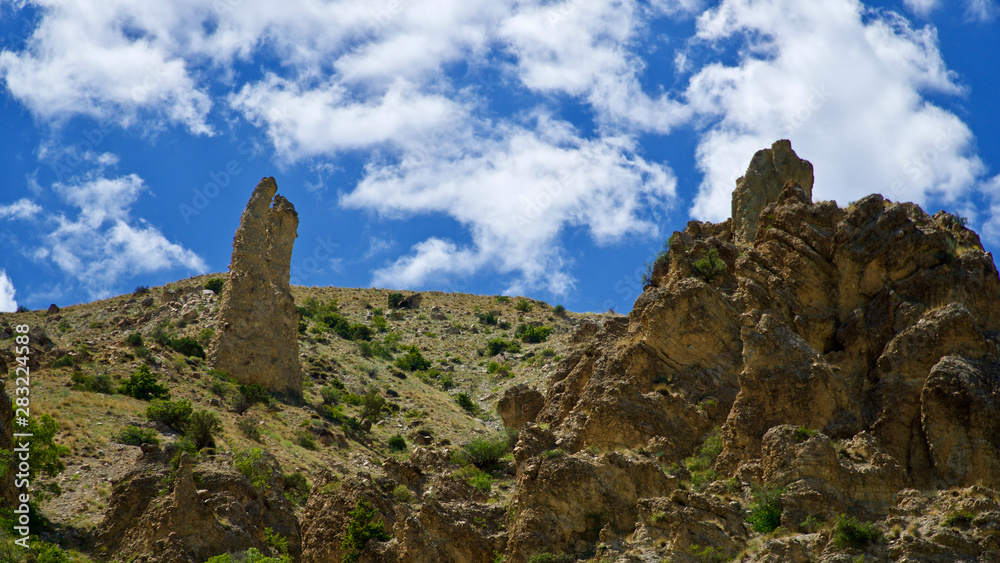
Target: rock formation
(848, 354)
(257, 336)
(769, 171)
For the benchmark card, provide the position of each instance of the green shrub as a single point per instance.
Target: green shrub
(296, 488)
(64, 361)
(331, 395)
(501, 298)
(143, 386)
(413, 361)
(532, 334)
(961, 519)
(395, 299)
(202, 428)
(252, 555)
(802, 434)
(523, 305)
(765, 511)
(553, 453)
(489, 318)
(361, 528)
(255, 394)
(848, 532)
(249, 427)
(215, 284)
(306, 439)
(100, 383)
(397, 443)
(352, 399)
(503, 370)
(485, 453)
(372, 405)
(253, 465)
(380, 324)
(134, 339)
(709, 266)
(711, 554)
(467, 403)
(205, 336)
(135, 436)
(187, 346)
(498, 345)
(559, 310)
(174, 414)
(447, 381)
(700, 464)
(402, 494)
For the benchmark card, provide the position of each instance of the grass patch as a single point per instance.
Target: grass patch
(849, 533)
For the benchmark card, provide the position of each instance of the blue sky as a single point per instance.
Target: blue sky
(540, 148)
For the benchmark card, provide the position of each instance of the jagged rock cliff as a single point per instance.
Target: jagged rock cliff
(257, 334)
(849, 354)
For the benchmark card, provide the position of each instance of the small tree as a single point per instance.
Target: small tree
(215, 284)
(372, 405)
(202, 428)
(395, 299)
(709, 266)
(143, 386)
(361, 528)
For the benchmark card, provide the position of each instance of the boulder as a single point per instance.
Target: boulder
(519, 404)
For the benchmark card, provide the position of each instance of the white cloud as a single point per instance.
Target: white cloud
(23, 208)
(7, 302)
(846, 90)
(921, 7)
(324, 120)
(982, 10)
(584, 48)
(515, 193)
(991, 226)
(103, 245)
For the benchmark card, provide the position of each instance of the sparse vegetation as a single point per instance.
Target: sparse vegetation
(467, 403)
(254, 466)
(848, 532)
(709, 266)
(143, 385)
(134, 436)
(134, 339)
(395, 299)
(522, 305)
(175, 414)
(187, 346)
(802, 434)
(532, 334)
(765, 511)
(413, 360)
(363, 526)
(484, 453)
(700, 464)
(662, 257)
(498, 345)
(959, 519)
(396, 443)
(202, 427)
(215, 285)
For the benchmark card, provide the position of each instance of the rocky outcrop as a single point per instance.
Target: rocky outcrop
(848, 354)
(769, 171)
(257, 336)
(193, 513)
(518, 405)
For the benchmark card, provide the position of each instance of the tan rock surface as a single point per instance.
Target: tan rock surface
(257, 336)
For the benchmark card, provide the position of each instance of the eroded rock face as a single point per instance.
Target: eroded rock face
(769, 171)
(518, 405)
(220, 512)
(875, 325)
(257, 336)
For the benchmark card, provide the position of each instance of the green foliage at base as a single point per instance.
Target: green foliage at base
(848, 532)
(144, 386)
(362, 528)
(251, 555)
(99, 383)
(498, 345)
(700, 464)
(803, 433)
(202, 427)
(297, 488)
(215, 284)
(709, 266)
(175, 414)
(397, 443)
(532, 334)
(253, 465)
(187, 346)
(484, 453)
(413, 360)
(765, 512)
(135, 436)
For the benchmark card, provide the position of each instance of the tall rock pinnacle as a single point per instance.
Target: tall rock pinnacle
(257, 336)
(769, 171)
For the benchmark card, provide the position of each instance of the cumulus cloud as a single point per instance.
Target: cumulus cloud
(325, 120)
(921, 7)
(515, 192)
(23, 208)
(102, 244)
(846, 86)
(7, 291)
(982, 10)
(585, 48)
